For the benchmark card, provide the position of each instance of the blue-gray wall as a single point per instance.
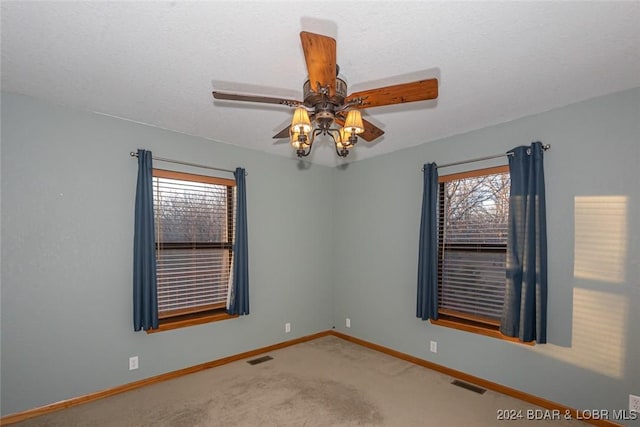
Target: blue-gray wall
(68, 186)
(67, 200)
(593, 217)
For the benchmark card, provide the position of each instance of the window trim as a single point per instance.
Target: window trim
(464, 321)
(192, 319)
(163, 173)
(473, 173)
(181, 318)
(476, 328)
(181, 312)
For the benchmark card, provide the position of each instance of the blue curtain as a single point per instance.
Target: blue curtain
(145, 306)
(239, 303)
(525, 304)
(427, 301)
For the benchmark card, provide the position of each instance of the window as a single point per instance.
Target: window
(472, 244)
(194, 220)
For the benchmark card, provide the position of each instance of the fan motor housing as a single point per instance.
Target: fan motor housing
(313, 98)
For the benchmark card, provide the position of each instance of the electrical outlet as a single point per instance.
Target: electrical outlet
(347, 322)
(433, 346)
(287, 327)
(133, 363)
(634, 403)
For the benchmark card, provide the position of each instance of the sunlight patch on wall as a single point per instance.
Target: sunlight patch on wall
(599, 328)
(600, 238)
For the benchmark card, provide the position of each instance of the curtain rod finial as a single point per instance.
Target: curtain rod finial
(545, 147)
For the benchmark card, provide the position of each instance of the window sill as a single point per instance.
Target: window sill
(191, 319)
(476, 328)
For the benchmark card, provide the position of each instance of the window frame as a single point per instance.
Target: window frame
(460, 320)
(185, 317)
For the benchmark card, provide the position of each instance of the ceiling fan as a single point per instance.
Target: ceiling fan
(327, 104)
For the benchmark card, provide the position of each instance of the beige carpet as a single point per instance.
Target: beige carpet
(325, 382)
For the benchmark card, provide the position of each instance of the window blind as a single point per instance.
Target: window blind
(194, 239)
(472, 245)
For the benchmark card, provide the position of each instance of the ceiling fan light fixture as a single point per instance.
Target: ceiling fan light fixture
(301, 122)
(353, 123)
(299, 140)
(294, 140)
(326, 102)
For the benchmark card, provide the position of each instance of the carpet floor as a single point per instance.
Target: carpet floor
(324, 382)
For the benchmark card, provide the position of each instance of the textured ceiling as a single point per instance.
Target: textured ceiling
(157, 62)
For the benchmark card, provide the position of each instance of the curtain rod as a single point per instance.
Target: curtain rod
(162, 159)
(508, 153)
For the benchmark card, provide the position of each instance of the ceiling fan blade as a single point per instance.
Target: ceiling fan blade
(320, 56)
(284, 133)
(370, 133)
(420, 90)
(254, 98)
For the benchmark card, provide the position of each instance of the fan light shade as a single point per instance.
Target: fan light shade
(353, 123)
(301, 122)
(344, 138)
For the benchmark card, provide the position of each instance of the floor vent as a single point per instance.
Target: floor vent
(259, 360)
(468, 386)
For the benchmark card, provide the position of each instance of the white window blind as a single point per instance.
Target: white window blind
(194, 219)
(472, 245)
